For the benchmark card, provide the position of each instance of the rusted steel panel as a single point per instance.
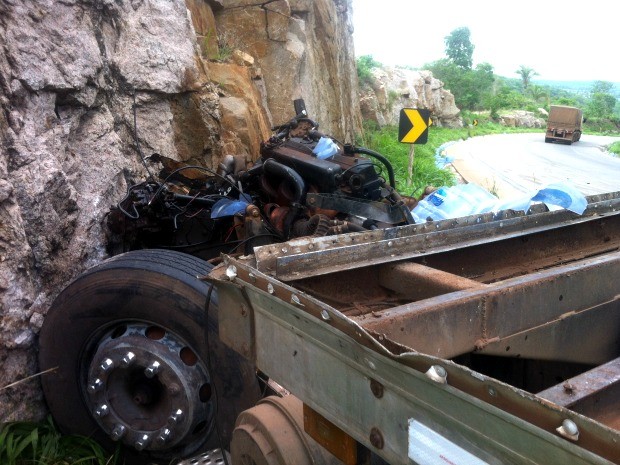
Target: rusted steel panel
(464, 321)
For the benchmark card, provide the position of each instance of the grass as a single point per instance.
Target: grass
(425, 172)
(615, 149)
(29, 443)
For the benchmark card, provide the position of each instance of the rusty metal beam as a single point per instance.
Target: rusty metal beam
(303, 258)
(416, 282)
(595, 393)
(468, 320)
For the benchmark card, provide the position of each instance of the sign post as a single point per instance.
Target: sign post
(413, 129)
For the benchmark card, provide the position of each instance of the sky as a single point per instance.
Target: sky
(564, 41)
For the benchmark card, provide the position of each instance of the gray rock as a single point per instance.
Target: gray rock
(394, 88)
(521, 119)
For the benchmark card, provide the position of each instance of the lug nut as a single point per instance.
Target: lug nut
(176, 417)
(142, 442)
(95, 386)
(128, 359)
(118, 432)
(164, 436)
(102, 411)
(107, 365)
(152, 370)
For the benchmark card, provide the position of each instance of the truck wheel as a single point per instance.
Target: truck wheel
(136, 360)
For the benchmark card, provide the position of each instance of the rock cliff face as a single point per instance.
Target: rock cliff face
(75, 77)
(394, 88)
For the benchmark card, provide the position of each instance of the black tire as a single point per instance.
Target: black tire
(141, 289)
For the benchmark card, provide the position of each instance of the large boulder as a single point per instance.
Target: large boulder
(391, 89)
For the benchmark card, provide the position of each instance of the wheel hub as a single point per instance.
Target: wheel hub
(147, 388)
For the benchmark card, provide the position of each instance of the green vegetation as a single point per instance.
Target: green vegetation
(615, 149)
(365, 64)
(425, 172)
(26, 443)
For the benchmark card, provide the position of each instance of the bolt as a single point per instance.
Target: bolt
(570, 427)
(128, 359)
(95, 386)
(325, 315)
(142, 442)
(569, 430)
(164, 435)
(376, 438)
(270, 288)
(176, 417)
(118, 432)
(438, 374)
(152, 370)
(102, 411)
(107, 365)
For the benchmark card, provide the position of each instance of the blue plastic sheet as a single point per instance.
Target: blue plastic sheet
(325, 148)
(469, 199)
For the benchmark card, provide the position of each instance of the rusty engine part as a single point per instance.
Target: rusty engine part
(295, 189)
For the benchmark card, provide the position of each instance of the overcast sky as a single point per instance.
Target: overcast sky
(568, 41)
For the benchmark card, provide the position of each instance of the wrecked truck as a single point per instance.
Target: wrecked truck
(302, 316)
(564, 124)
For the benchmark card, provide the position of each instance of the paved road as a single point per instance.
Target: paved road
(512, 164)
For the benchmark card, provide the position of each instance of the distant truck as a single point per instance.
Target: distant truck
(564, 124)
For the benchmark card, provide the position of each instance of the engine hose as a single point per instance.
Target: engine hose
(270, 166)
(382, 159)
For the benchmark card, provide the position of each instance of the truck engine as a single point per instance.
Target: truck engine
(304, 184)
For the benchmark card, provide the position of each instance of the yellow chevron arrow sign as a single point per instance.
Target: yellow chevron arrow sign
(413, 126)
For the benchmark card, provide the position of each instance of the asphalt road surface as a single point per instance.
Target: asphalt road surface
(512, 164)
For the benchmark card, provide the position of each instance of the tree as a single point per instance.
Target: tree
(459, 48)
(539, 93)
(602, 87)
(469, 87)
(526, 75)
(602, 102)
